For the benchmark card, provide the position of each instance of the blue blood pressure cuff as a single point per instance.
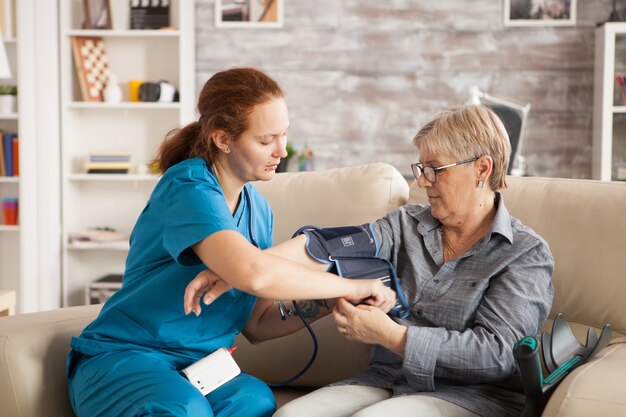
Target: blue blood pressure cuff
(351, 252)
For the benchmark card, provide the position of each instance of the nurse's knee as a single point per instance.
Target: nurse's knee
(245, 395)
(258, 401)
(192, 406)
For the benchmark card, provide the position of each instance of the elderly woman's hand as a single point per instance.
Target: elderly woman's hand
(367, 324)
(207, 283)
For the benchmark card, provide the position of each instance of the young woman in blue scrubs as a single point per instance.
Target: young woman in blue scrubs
(202, 214)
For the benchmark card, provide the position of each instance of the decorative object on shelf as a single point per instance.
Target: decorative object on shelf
(102, 289)
(133, 89)
(112, 92)
(9, 154)
(92, 67)
(9, 211)
(108, 163)
(97, 14)
(539, 13)
(8, 99)
(249, 13)
(162, 91)
(154, 14)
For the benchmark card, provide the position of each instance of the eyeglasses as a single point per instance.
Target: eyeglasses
(431, 172)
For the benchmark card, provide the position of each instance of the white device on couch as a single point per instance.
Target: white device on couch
(212, 371)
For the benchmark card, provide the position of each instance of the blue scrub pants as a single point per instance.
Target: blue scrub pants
(129, 384)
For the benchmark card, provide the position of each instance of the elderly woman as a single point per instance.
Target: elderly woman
(477, 281)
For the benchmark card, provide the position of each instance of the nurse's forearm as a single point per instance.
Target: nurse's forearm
(271, 276)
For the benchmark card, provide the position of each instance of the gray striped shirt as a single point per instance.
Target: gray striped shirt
(466, 313)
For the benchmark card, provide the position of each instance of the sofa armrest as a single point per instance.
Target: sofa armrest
(594, 389)
(33, 351)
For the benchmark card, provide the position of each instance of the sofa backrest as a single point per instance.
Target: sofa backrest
(334, 197)
(584, 222)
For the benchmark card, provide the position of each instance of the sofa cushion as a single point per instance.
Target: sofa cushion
(584, 223)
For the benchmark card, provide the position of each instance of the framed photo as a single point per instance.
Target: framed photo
(97, 14)
(539, 12)
(249, 13)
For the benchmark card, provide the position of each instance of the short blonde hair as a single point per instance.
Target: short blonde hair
(466, 132)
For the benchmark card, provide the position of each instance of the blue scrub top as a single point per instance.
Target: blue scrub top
(147, 313)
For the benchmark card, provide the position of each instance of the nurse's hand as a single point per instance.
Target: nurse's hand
(207, 283)
(380, 295)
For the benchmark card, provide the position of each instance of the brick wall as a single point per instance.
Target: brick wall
(362, 76)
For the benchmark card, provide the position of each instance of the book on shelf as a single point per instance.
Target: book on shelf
(109, 157)
(3, 169)
(108, 163)
(107, 168)
(9, 166)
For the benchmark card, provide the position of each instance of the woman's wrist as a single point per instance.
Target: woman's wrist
(396, 339)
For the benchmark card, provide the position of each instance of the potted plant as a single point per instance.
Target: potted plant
(8, 99)
(291, 151)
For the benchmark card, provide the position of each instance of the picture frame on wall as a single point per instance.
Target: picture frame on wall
(249, 13)
(97, 14)
(539, 12)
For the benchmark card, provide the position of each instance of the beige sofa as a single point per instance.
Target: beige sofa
(581, 220)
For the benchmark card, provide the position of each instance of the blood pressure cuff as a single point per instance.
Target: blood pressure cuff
(351, 252)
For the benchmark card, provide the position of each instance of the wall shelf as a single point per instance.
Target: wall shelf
(113, 177)
(123, 106)
(133, 128)
(105, 33)
(95, 246)
(5, 228)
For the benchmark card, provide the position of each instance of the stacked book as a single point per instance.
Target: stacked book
(108, 163)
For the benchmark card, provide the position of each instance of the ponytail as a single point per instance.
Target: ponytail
(180, 144)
